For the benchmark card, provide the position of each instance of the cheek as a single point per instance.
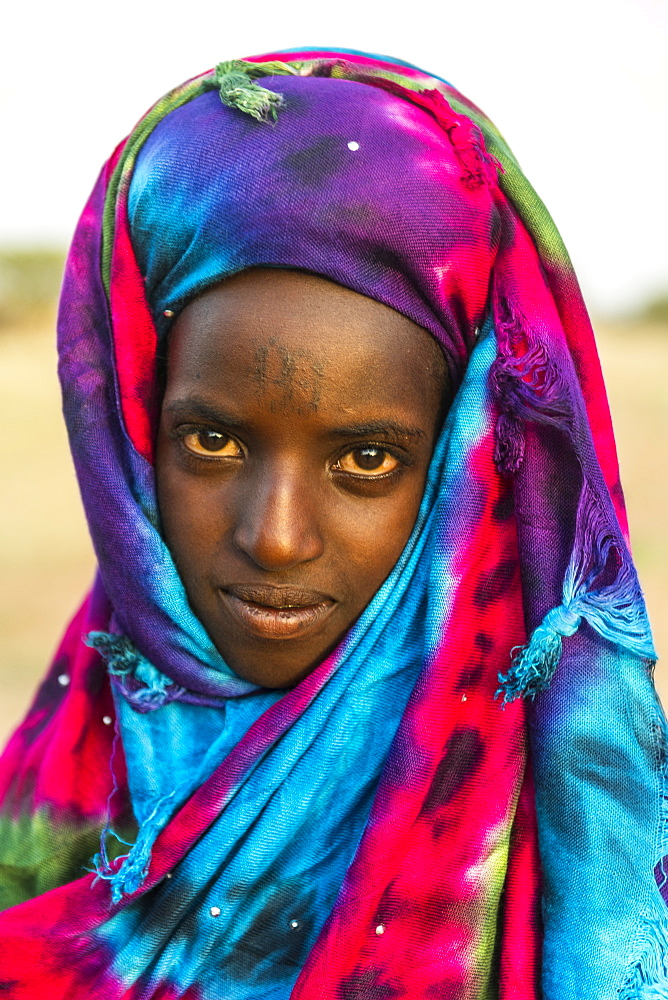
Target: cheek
(191, 520)
(369, 536)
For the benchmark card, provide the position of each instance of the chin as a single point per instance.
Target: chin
(272, 676)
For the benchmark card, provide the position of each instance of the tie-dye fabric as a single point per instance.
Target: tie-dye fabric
(466, 799)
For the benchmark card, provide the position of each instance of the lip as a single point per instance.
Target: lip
(276, 612)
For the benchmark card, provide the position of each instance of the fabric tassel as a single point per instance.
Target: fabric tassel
(129, 876)
(237, 89)
(533, 665)
(149, 688)
(615, 610)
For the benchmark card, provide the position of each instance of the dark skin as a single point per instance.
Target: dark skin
(297, 425)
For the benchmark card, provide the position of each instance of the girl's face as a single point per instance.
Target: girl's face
(297, 426)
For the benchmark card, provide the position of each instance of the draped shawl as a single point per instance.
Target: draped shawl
(466, 799)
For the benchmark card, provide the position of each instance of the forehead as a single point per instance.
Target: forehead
(291, 335)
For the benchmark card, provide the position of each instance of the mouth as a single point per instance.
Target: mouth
(277, 612)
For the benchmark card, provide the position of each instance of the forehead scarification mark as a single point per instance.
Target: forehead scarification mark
(293, 376)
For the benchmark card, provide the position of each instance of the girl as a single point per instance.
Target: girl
(360, 705)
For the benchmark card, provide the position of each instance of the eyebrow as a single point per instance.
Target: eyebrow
(381, 428)
(194, 406)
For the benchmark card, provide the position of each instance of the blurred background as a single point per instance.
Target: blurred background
(580, 90)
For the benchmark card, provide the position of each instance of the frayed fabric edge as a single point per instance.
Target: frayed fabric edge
(615, 610)
(647, 979)
(142, 684)
(527, 385)
(146, 689)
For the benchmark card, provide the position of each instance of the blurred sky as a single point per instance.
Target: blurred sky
(578, 87)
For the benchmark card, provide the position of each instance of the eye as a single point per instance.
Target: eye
(211, 444)
(368, 461)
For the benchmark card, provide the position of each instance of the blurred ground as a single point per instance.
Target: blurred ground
(46, 562)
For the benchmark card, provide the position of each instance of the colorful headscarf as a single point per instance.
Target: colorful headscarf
(466, 799)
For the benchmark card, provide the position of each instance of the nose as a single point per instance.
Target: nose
(277, 524)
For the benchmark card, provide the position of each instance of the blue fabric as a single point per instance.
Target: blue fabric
(599, 797)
